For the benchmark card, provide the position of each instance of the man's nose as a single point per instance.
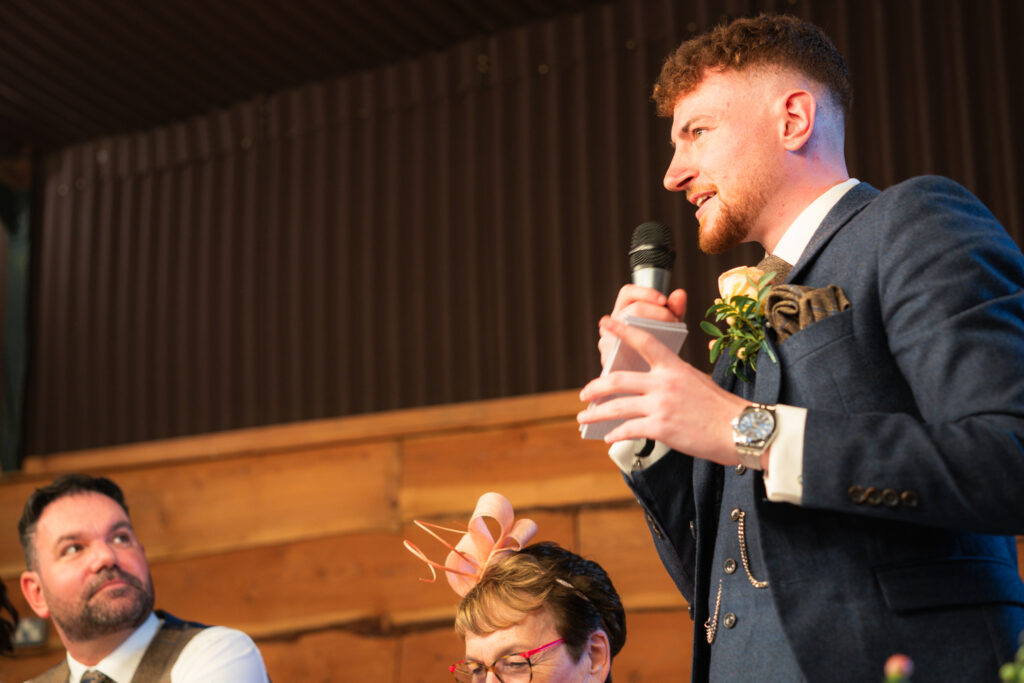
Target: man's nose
(679, 173)
(103, 555)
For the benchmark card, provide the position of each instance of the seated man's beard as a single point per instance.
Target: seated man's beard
(114, 610)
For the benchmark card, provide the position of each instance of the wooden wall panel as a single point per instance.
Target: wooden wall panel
(547, 464)
(18, 669)
(14, 490)
(331, 656)
(619, 540)
(294, 534)
(384, 426)
(317, 583)
(657, 649)
(424, 657)
(214, 505)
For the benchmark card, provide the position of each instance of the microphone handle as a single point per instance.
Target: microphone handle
(655, 278)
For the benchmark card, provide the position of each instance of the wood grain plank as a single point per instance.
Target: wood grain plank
(331, 656)
(539, 465)
(14, 491)
(658, 647)
(202, 507)
(618, 539)
(424, 657)
(320, 582)
(387, 425)
(23, 667)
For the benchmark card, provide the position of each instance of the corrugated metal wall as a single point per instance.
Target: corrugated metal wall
(443, 230)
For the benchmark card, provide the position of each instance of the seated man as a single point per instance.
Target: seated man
(88, 571)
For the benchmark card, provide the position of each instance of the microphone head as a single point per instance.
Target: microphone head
(651, 247)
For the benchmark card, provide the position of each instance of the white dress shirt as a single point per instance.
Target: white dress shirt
(785, 485)
(214, 655)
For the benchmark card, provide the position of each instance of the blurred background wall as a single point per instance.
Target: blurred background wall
(448, 227)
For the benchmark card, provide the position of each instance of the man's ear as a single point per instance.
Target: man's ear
(799, 108)
(32, 589)
(600, 655)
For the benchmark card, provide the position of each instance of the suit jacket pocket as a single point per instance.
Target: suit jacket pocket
(817, 336)
(950, 582)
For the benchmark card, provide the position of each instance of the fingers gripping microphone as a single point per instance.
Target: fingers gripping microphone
(651, 256)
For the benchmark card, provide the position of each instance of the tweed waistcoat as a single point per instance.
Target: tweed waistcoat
(157, 662)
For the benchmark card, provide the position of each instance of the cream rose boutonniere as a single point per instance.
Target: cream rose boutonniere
(741, 306)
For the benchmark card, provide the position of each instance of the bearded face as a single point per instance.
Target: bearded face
(89, 571)
(732, 223)
(727, 160)
(110, 602)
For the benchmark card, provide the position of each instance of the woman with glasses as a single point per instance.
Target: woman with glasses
(542, 614)
(538, 613)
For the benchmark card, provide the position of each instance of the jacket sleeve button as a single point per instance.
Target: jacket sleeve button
(855, 494)
(909, 498)
(873, 496)
(890, 497)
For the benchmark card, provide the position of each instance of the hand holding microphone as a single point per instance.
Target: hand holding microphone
(647, 305)
(646, 391)
(650, 260)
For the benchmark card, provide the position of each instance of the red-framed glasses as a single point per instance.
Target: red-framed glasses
(512, 668)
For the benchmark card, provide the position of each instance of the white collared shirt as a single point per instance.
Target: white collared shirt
(214, 655)
(785, 485)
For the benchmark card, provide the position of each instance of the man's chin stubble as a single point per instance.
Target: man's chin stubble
(98, 620)
(723, 236)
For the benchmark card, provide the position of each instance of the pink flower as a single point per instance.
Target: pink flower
(898, 667)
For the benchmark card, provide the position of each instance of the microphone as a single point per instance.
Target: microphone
(651, 256)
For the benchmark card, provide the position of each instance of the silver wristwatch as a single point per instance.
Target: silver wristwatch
(753, 431)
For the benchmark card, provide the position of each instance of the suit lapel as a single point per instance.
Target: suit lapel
(846, 208)
(768, 380)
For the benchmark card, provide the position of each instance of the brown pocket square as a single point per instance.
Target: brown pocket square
(791, 308)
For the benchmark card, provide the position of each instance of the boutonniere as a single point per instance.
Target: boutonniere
(741, 305)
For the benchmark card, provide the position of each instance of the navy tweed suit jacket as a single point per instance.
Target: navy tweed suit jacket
(913, 469)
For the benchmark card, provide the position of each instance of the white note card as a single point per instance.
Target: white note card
(624, 357)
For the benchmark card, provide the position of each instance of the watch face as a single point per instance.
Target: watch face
(756, 424)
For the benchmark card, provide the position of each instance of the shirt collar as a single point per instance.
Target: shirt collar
(120, 664)
(796, 238)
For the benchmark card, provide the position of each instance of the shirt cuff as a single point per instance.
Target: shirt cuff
(625, 454)
(786, 464)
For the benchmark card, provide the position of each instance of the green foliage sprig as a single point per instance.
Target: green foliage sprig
(743, 337)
